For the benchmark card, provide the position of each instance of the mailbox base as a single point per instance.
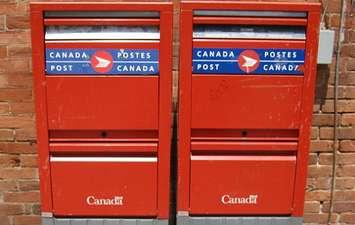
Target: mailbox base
(187, 220)
(103, 221)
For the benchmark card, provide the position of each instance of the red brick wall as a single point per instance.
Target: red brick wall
(19, 195)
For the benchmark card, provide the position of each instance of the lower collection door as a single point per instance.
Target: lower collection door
(242, 185)
(104, 186)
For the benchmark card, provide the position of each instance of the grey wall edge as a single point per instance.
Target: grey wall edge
(186, 220)
(88, 221)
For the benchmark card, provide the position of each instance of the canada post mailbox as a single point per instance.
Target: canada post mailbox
(102, 75)
(247, 78)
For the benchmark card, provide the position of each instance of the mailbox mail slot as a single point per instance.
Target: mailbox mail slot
(96, 186)
(103, 88)
(246, 90)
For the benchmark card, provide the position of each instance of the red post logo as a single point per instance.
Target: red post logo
(249, 61)
(102, 61)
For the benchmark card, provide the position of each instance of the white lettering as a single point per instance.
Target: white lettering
(116, 200)
(208, 67)
(249, 200)
(215, 54)
(280, 55)
(68, 55)
(61, 68)
(135, 68)
(133, 55)
(281, 67)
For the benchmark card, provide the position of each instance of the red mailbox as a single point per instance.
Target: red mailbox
(247, 78)
(102, 73)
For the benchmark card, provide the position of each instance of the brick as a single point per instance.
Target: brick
(17, 22)
(323, 119)
(3, 81)
(347, 146)
(312, 207)
(3, 51)
(334, 6)
(348, 119)
(340, 207)
(28, 161)
(17, 147)
(19, 80)
(347, 218)
(319, 183)
(314, 133)
(347, 133)
(321, 146)
(14, 65)
(344, 195)
(18, 173)
(2, 23)
(327, 133)
(318, 195)
(349, 79)
(16, 121)
(15, 37)
(15, 94)
(11, 7)
(21, 197)
(317, 108)
(344, 92)
(326, 159)
(27, 220)
(6, 135)
(316, 218)
(6, 185)
(9, 161)
(346, 159)
(25, 134)
(5, 220)
(36, 209)
(23, 50)
(18, 108)
(344, 183)
(344, 106)
(28, 208)
(319, 171)
(10, 209)
(29, 185)
(312, 159)
(346, 171)
(351, 65)
(4, 108)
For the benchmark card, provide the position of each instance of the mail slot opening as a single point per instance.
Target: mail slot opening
(223, 31)
(101, 32)
(250, 13)
(101, 14)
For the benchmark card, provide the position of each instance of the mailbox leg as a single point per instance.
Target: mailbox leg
(186, 220)
(101, 221)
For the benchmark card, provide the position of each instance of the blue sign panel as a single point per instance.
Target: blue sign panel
(248, 61)
(67, 61)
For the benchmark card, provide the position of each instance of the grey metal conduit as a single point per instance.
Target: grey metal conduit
(336, 97)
